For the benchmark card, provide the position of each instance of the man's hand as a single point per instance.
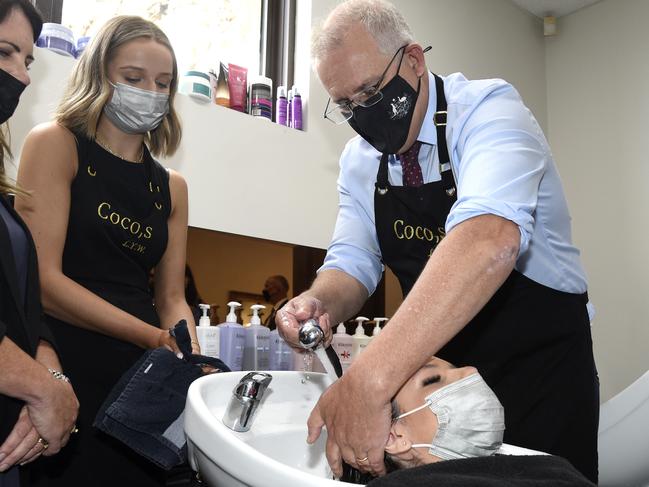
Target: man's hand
(54, 414)
(21, 446)
(357, 425)
(298, 310)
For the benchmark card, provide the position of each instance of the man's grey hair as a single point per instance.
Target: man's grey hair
(381, 19)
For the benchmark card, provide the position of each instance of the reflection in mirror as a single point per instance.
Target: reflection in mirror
(229, 267)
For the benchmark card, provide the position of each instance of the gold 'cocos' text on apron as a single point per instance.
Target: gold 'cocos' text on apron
(128, 224)
(403, 230)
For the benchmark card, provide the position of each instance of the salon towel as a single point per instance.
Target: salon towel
(493, 471)
(145, 409)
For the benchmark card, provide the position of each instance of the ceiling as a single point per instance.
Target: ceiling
(557, 8)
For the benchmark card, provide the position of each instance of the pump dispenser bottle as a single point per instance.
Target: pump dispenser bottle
(208, 335)
(359, 339)
(342, 344)
(377, 326)
(232, 339)
(281, 353)
(256, 354)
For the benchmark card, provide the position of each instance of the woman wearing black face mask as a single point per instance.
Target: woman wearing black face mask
(37, 411)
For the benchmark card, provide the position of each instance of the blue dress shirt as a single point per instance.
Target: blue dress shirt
(502, 165)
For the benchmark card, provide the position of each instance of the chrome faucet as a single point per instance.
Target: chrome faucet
(245, 400)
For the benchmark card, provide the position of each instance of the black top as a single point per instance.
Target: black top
(19, 249)
(117, 229)
(20, 309)
(117, 232)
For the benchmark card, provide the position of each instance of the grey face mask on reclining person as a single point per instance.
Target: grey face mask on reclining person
(136, 111)
(471, 420)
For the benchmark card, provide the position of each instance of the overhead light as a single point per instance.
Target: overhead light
(549, 26)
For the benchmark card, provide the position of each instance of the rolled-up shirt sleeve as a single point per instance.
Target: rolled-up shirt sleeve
(354, 248)
(502, 156)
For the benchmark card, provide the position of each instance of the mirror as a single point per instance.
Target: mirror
(230, 267)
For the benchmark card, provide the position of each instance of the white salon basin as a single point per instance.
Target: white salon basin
(274, 451)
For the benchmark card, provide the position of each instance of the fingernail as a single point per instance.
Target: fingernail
(3, 467)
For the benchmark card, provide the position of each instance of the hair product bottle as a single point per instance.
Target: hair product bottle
(359, 339)
(208, 335)
(282, 106)
(256, 354)
(222, 94)
(232, 339)
(342, 344)
(296, 109)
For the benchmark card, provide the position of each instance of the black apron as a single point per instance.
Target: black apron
(532, 344)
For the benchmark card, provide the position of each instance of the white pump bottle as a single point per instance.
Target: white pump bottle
(232, 339)
(359, 339)
(377, 326)
(342, 344)
(208, 335)
(256, 354)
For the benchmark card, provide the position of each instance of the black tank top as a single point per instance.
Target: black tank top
(117, 232)
(117, 228)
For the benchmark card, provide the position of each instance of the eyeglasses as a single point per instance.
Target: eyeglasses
(341, 112)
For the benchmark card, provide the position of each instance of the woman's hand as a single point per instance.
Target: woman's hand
(22, 445)
(167, 341)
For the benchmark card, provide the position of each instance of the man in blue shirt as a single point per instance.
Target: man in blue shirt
(471, 217)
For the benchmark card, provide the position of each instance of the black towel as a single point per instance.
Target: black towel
(145, 408)
(493, 471)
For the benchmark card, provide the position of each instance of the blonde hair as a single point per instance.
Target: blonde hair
(89, 90)
(380, 18)
(6, 185)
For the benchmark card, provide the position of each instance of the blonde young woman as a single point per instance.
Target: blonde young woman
(104, 213)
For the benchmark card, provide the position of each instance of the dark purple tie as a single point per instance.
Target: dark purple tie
(410, 166)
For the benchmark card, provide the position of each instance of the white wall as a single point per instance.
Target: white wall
(292, 173)
(598, 106)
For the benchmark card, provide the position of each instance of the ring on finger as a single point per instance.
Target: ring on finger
(44, 443)
(360, 460)
(74, 430)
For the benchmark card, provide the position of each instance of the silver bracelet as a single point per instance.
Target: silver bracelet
(59, 375)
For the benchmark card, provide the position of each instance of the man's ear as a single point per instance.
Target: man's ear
(415, 56)
(397, 444)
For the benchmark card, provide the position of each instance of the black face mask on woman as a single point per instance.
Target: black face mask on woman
(386, 124)
(10, 91)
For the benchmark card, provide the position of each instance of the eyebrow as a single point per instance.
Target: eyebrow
(17, 48)
(362, 87)
(11, 44)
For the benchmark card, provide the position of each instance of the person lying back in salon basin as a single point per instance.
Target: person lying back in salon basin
(449, 413)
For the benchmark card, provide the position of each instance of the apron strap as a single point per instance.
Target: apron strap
(439, 119)
(382, 183)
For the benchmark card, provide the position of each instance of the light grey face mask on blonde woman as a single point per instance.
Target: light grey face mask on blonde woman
(136, 111)
(470, 416)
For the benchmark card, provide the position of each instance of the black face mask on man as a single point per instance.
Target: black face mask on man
(10, 91)
(386, 124)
